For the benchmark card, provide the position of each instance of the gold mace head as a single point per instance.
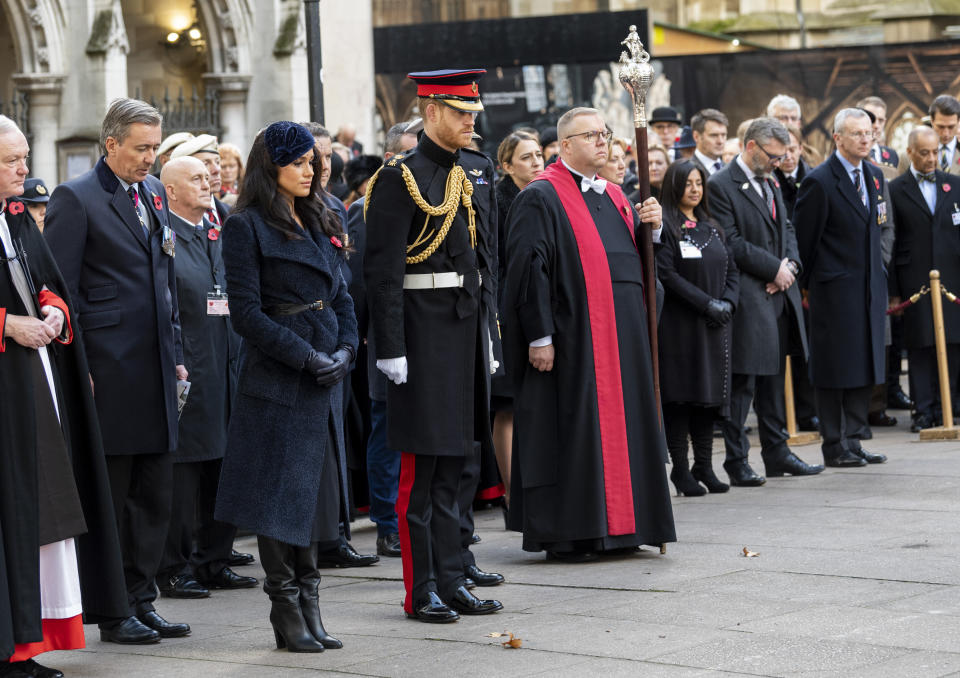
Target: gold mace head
(636, 75)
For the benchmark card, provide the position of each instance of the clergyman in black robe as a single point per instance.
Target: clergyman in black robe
(589, 452)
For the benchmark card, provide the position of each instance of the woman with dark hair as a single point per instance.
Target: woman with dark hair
(521, 160)
(284, 474)
(701, 282)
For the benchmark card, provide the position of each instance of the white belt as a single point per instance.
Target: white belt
(432, 281)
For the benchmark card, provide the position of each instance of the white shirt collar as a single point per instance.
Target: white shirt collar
(952, 145)
(706, 162)
(847, 165)
(579, 174)
(746, 170)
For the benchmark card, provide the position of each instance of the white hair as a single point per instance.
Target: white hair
(841, 118)
(7, 125)
(783, 101)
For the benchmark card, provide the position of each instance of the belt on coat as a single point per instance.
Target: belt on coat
(434, 281)
(293, 309)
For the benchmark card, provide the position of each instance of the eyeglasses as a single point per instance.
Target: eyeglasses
(592, 136)
(773, 158)
(860, 136)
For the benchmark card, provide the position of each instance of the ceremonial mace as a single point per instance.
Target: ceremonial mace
(636, 76)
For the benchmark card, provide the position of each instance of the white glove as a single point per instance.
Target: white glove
(395, 369)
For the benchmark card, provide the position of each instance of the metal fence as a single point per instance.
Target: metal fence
(195, 114)
(17, 108)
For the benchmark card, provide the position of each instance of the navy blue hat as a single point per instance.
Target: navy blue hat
(34, 191)
(686, 138)
(286, 141)
(456, 89)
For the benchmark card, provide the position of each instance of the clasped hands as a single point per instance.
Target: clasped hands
(783, 280)
(32, 332)
(329, 370)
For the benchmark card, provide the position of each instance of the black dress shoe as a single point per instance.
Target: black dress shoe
(845, 459)
(465, 602)
(741, 475)
(469, 583)
(809, 423)
(389, 545)
(238, 559)
(870, 457)
(228, 579)
(898, 400)
(572, 556)
(921, 420)
(345, 556)
(482, 578)
(130, 631)
(33, 669)
(12, 670)
(162, 626)
(475, 539)
(433, 611)
(881, 419)
(182, 586)
(791, 464)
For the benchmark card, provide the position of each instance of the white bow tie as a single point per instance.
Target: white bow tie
(598, 185)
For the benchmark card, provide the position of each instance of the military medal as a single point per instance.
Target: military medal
(169, 242)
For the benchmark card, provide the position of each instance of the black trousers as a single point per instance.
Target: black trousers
(469, 481)
(682, 423)
(429, 522)
(925, 377)
(843, 418)
(194, 498)
(142, 489)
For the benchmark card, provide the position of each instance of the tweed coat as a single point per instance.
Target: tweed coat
(280, 424)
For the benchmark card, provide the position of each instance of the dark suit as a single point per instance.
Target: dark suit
(840, 245)
(125, 292)
(926, 241)
(765, 325)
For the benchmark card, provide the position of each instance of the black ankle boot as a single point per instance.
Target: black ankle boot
(280, 583)
(308, 579)
(702, 438)
(685, 483)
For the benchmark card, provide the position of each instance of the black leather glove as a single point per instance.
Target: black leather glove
(338, 369)
(718, 312)
(317, 362)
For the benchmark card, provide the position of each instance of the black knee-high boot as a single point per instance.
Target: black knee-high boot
(701, 435)
(308, 579)
(676, 426)
(280, 583)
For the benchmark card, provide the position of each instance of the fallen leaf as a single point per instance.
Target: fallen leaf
(747, 553)
(495, 635)
(511, 642)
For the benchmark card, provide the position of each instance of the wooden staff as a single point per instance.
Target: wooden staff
(636, 76)
(947, 431)
(795, 437)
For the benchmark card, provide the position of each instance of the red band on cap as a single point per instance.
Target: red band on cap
(470, 90)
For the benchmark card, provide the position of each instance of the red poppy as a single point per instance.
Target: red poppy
(876, 182)
(885, 155)
(946, 188)
(777, 184)
(16, 208)
(689, 224)
(213, 234)
(336, 241)
(157, 203)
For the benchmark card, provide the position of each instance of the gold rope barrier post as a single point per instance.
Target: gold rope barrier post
(947, 431)
(796, 438)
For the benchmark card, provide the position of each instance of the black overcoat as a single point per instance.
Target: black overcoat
(126, 299)
(926, 241)
(840, 245)
(280, 423)
(444, 405)
(98, 550)
(557, 493)
(210, 346)
(695, 358)
(759, 243)
(507, 192)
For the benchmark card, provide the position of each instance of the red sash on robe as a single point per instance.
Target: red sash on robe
(618, 488)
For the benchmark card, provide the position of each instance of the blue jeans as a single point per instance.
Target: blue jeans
(383, 472)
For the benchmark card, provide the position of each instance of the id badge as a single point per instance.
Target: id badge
(217, 303)
(955, 215)
(689, 251)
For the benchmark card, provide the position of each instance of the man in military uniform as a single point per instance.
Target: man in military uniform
(431, 252)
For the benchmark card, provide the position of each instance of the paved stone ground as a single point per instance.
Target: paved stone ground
(857, 575)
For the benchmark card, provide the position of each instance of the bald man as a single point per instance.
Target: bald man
(210, 348)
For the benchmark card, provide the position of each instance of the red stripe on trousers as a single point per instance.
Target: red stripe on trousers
(614, 449)
(408, 472)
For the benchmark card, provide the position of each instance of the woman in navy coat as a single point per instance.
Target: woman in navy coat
(283, 473)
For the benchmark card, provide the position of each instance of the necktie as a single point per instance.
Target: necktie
(931, 177)
(767, 195)
(213, 217)
(598, 185)
(944, 160)
(135, 197)
(717, 166)
(857, 184)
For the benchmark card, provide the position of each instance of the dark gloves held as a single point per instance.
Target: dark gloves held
(718, 312)
(329, 370)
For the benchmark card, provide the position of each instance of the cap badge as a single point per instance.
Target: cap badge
(41, 189)
(476, 172)
(474, 88)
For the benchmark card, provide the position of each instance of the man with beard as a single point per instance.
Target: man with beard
(586, 423)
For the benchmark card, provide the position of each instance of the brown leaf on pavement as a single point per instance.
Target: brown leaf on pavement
(511, 642)
(747, 553)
